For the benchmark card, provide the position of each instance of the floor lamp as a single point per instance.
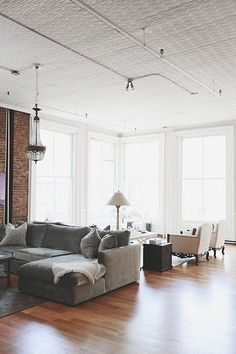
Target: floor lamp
(118, 199)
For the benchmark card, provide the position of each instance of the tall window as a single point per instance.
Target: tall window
(54, 178)
(203, 179)
(141, 181)
(102, 179)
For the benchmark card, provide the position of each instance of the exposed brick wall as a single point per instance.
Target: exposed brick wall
(20, 167)
(2, 150)
(20, 163)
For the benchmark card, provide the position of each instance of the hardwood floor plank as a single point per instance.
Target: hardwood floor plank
(188, 309)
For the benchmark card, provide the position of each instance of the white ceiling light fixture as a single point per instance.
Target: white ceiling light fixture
(129, 85)
(130, 82)
(35, 150)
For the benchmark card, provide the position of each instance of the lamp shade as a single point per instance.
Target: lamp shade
(118, 199)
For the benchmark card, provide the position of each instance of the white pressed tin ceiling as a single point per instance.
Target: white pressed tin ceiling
(198, 36)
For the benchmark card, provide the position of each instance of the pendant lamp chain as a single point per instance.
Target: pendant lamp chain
(35, 150)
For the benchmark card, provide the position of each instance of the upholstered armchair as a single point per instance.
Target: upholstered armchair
(218, 237)
(192, 245)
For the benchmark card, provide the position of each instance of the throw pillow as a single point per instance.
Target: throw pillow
(123, 236)
(90, 243)
(107, 242)
(16, 237)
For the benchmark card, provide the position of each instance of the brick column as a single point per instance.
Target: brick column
(19, 164)
(2, 150)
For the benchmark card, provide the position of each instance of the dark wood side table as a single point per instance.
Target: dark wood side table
(6, 259)
(157, 256)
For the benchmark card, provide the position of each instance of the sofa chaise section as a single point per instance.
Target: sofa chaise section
(36, 278)
(122, 267)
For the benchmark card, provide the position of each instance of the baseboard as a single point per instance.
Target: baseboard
(230, 242)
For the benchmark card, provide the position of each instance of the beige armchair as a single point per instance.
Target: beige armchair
(192, 245)
(218, 237)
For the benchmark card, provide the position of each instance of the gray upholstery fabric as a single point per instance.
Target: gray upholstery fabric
(122, 265)
(107, 242)
(42, 269)
(35, 254)
(13, 249)
(123, 236)
(15, 265)
(15, 236)
(64, 237)
(68, 295)
(90, 243)
(35, 234)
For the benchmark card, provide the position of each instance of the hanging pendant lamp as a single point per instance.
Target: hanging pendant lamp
(35, 150)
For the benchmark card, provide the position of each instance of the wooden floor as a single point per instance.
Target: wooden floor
(189, 309)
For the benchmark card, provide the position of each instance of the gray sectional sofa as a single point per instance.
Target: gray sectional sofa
(47, 244)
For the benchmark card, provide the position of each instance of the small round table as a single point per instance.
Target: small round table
(6, 259)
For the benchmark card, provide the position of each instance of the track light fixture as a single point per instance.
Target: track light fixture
(130, 85)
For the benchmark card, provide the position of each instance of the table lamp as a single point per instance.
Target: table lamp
(118, 199)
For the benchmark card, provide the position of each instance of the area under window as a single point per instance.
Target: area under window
(102, 180)
(204, 178)
(141, 182)
(54, 178)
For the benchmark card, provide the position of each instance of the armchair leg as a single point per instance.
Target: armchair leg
(214, 250)
(223, 250)
(207, 256)
(196, 256)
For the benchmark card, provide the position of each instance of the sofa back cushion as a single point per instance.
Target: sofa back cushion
(67, 238)
(123, 236)
(35, 234)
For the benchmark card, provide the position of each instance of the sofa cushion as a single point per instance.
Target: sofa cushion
(15, 236)
(107, 242)
(90, 243)
(35, 254)
(35, 234)
(67, 238)
(122, 236)
(13, 249)
(42, 270)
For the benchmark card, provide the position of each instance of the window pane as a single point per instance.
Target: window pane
(46, 166)
(53, 194)
(150, 157)
(192, 199)
(95, 157)
(107, 169)
(44, 198)
(215, 156)
(63, 200)
(63, 154)
(141, 184)
(101, 182)
(133, 162)
(108, 151)
(192, 157)
(214, 200)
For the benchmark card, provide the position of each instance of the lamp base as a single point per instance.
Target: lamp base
(117, 217)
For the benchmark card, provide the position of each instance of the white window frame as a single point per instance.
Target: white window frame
(56, 128)
(106, 139)
(204, 132)
(142, 139)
